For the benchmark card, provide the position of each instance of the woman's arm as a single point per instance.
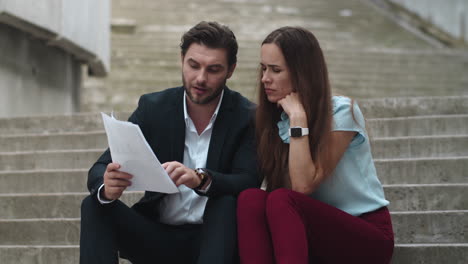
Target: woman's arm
(305, 175)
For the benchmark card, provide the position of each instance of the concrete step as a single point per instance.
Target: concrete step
(420, 146)
(377, 127)
(55, 141)
(127, 102)
(430, 226)
(427, 197)
(140, 50)
(135, 46)
(43, 181)
(81, 159)
(381, 83)
(409, 116)
(422, 170)
(389, 171)
(430, 253)
(57, 159)
(118, 95)
(337, 70)
(43, 124)
(339, 73)
(50, 205)
(365, 90)
(414, 106)
(389, 147)
(398, 61)
(442, 125)
(39, 254)
(409, 227)
(398, 106)
(403, 254)
(242, 8)
(67, 205)
(40, 231)
(416, 116)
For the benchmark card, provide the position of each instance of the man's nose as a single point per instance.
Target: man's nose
(201, 77)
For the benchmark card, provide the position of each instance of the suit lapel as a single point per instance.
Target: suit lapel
(177, 128)
(220, 130)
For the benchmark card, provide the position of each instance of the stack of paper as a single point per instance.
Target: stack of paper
(129, 148)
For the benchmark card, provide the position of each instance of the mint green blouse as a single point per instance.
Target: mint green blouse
(353, 187)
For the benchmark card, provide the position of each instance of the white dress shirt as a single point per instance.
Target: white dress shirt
(187, 207)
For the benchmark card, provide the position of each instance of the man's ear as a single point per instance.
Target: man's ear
(231, 70)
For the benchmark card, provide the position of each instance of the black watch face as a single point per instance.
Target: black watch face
(296, 132)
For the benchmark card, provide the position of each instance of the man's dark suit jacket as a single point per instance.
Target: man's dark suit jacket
(231, 156)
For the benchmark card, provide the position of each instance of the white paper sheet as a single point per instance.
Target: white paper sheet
(129, 148)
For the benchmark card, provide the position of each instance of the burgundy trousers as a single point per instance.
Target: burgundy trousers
(287, 227)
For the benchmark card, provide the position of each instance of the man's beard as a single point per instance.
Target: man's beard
(209, 98)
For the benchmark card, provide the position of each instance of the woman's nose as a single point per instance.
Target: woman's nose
(265, 78)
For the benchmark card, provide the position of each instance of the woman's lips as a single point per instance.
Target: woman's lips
(269, 91)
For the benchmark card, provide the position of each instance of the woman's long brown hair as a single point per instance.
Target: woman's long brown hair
(309, 78)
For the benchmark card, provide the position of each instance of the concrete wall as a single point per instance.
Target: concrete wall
(43, 45)
(451, 16)
(36, 78)
(79, 27)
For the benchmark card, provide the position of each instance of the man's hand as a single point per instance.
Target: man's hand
(115, 182)
(181, 174)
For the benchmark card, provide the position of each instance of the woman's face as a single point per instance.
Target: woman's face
(275, 73)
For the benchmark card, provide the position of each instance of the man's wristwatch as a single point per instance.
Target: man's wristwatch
(203, 175)
(298, 131)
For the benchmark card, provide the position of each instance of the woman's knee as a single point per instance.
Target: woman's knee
(279, 196)
(252, 200)
(278, 200)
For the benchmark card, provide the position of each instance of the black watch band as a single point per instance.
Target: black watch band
(203, 175)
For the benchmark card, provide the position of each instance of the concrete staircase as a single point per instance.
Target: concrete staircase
(368, 54)
(420, 143)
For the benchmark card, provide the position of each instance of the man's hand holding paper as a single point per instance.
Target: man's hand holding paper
(115, 182)
(134, 165)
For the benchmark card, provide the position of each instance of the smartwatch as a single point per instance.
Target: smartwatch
(298, 131)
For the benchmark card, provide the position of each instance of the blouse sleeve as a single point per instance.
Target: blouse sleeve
(349, 117)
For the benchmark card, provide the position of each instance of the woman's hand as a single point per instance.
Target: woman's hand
(294, 109)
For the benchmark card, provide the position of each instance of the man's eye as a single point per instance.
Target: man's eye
(214, 70)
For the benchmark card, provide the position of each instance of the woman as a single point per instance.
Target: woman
(323, 201)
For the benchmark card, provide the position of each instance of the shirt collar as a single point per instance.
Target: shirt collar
(213, 117)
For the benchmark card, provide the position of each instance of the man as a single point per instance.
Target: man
(202, 133)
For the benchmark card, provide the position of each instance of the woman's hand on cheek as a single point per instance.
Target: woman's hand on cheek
(292, 105)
